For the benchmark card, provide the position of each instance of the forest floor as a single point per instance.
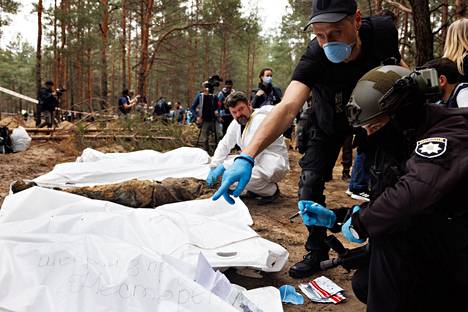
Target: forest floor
(271, 221)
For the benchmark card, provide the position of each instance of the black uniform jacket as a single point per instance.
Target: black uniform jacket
(435, 180)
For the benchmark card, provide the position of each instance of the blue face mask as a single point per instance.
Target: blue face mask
(337, 52)
(267, 80)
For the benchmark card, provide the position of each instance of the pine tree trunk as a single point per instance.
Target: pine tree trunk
(105, 40)
(89, 79)
(63, 69)
(146, 16)
(423, 31)
(54, 45)
(247, 72)
(206, 70)
(123, 42)
(444, 19)
(129, 55)
(460, 8)
(39, 46)
(225, 54)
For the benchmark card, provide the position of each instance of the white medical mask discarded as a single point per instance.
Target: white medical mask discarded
(337, 52)
(242, 120)
(267, 80)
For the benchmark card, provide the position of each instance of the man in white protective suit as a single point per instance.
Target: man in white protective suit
(271, 165)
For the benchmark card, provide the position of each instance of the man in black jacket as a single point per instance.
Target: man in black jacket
(345, 48)
(47, 103)
(416, 221)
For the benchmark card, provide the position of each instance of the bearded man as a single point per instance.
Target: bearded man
(271, 165)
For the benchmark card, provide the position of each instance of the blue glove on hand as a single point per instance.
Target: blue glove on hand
(240, 172)
(315, 214)
(214, 174)
(347, 232)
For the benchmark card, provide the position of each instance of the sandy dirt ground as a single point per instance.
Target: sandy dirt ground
(271, 221)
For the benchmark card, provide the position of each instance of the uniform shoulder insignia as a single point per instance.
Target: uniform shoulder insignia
(431, 147)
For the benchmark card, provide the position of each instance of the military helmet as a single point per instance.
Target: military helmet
(365, 104)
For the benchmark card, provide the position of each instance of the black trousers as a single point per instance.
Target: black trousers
(38, 114)
(347, 152)
(227, 119)
(424, 268)
(317, 164)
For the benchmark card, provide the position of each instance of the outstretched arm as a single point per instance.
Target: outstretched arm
(279, 119)
(271, 128)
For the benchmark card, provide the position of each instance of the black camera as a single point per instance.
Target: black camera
(59, 91)
(212, 82)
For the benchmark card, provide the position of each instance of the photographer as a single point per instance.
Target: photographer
(47, 103)
(126, 103)
(204, 108)
(225, 115)
(416, 222)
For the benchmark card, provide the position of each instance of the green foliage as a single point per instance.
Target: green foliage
(17, 69)
(7, 7)
(189, 41)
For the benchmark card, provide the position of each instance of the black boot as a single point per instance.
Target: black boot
(309, 265)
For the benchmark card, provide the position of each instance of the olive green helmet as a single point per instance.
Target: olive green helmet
(365, 104)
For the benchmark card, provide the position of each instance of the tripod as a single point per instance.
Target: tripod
(207, 134)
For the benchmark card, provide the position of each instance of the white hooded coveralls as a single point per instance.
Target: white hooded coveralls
(271, 165)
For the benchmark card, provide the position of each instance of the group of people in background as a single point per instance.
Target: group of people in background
(161, 109)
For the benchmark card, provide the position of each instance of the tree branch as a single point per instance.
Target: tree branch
(168, 33)
(399, 6)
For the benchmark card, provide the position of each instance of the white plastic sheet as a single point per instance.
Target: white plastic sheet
(61, 251)
(20, 139)
(94, 167)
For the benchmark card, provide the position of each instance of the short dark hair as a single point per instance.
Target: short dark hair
(124, 92)
(445, 67)
(234, 98)
(262, 72)
(49, 83)
(228, 82)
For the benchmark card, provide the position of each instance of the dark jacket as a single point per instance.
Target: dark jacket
(426, 172)
(272, 96)
(47, 100)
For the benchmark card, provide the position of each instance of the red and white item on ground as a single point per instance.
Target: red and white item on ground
(323, 290)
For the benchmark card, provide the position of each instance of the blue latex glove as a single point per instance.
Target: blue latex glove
(240, 172)
(290, 295)
(315, 214)
(214, 174)
(345, 229)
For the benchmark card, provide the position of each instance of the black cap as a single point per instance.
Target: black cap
(331, 11)
(49, 83)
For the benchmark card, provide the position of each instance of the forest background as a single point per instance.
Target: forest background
(97, 48)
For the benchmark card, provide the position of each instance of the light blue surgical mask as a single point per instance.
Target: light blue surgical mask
(267, 80)
(337, 52)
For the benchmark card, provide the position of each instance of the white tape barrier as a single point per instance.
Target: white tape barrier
(18, 95)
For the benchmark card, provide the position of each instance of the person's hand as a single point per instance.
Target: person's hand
(315, 214)
(199, 121)
(214, 175)
(260, 92)
(239, 172)
(348, 231)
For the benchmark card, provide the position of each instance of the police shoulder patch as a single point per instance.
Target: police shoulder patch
(431, 147)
